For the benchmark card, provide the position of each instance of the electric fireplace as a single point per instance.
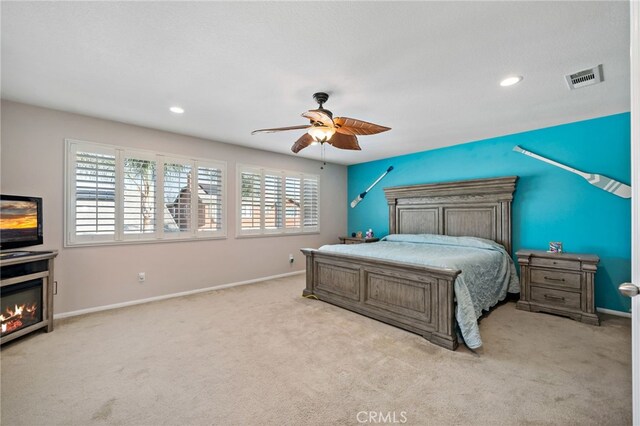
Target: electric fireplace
(26, 293)
(21, 306)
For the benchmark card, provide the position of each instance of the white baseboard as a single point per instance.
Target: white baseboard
(169, 296)
(616, 313)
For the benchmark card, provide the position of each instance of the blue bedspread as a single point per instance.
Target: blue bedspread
(488, 272)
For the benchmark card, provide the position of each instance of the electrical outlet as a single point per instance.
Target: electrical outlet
(290, 258)
(142, 277)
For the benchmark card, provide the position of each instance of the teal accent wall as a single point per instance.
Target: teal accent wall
(550, 204)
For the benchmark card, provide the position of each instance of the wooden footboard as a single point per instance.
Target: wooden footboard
(416, 298)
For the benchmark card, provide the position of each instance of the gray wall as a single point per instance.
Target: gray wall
(32, 150)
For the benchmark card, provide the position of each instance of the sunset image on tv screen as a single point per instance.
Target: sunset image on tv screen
(18, 220)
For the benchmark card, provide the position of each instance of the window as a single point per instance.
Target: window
(95, 189)
(292, 202)
(139, 191)
(251, 211)
(272, 202)
(177, 191)
(209, 198)
(118, 195)
(277, 202)
(311, 203)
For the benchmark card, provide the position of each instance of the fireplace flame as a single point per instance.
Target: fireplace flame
(13, 319)
(18, 310)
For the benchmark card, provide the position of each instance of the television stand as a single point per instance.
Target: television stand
(19, 253)
(26, 292)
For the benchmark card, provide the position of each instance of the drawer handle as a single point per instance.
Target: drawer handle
(554, 279)
(555, 263)
(549, 297)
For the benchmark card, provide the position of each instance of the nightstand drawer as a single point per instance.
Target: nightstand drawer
(552, 297)
(555, 263)
(556, 278)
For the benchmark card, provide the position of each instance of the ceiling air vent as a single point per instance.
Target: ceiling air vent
(585, 77)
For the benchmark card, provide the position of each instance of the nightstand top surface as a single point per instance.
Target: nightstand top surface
(565, 256)
(367, 240)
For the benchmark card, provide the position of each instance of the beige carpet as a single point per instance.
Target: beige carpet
(261, 354)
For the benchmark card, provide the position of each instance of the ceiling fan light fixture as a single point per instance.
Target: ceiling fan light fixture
(321, 133)
(510, 81)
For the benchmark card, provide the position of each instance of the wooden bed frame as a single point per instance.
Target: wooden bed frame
(416, 298)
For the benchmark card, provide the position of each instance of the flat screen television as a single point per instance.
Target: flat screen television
(20, 221)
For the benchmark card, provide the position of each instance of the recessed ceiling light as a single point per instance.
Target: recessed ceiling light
(176, 110)
(510, 81)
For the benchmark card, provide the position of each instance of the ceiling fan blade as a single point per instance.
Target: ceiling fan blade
(304, 141)
(319, 116)
(351, 126)
(281, 129)
(343, 141)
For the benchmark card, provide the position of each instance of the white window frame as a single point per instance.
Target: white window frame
(262, 232)
(119, 237)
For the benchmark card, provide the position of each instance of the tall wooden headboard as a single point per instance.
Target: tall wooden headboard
(476, 208)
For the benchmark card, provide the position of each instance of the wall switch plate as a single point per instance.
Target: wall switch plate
(142, 277)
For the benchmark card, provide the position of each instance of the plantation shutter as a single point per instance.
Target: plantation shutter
(117, 195)
(292, 202)
(139, 191)
(310, 202)
(272, 202)
(94, 191)
(177, 197)
(210, 193)
(251, 199)
(277, 202)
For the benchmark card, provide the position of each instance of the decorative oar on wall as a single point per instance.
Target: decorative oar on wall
(600, 181)
(363, 194)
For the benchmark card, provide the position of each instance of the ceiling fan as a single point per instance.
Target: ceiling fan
(325, 128)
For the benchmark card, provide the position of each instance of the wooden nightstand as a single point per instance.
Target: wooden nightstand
(558, 283)
(356, 240)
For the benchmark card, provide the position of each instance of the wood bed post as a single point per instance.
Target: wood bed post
(446, 336)
(308, 253)
(392, 215)
(506, 225)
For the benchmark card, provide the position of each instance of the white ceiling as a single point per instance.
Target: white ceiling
(429, 70)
